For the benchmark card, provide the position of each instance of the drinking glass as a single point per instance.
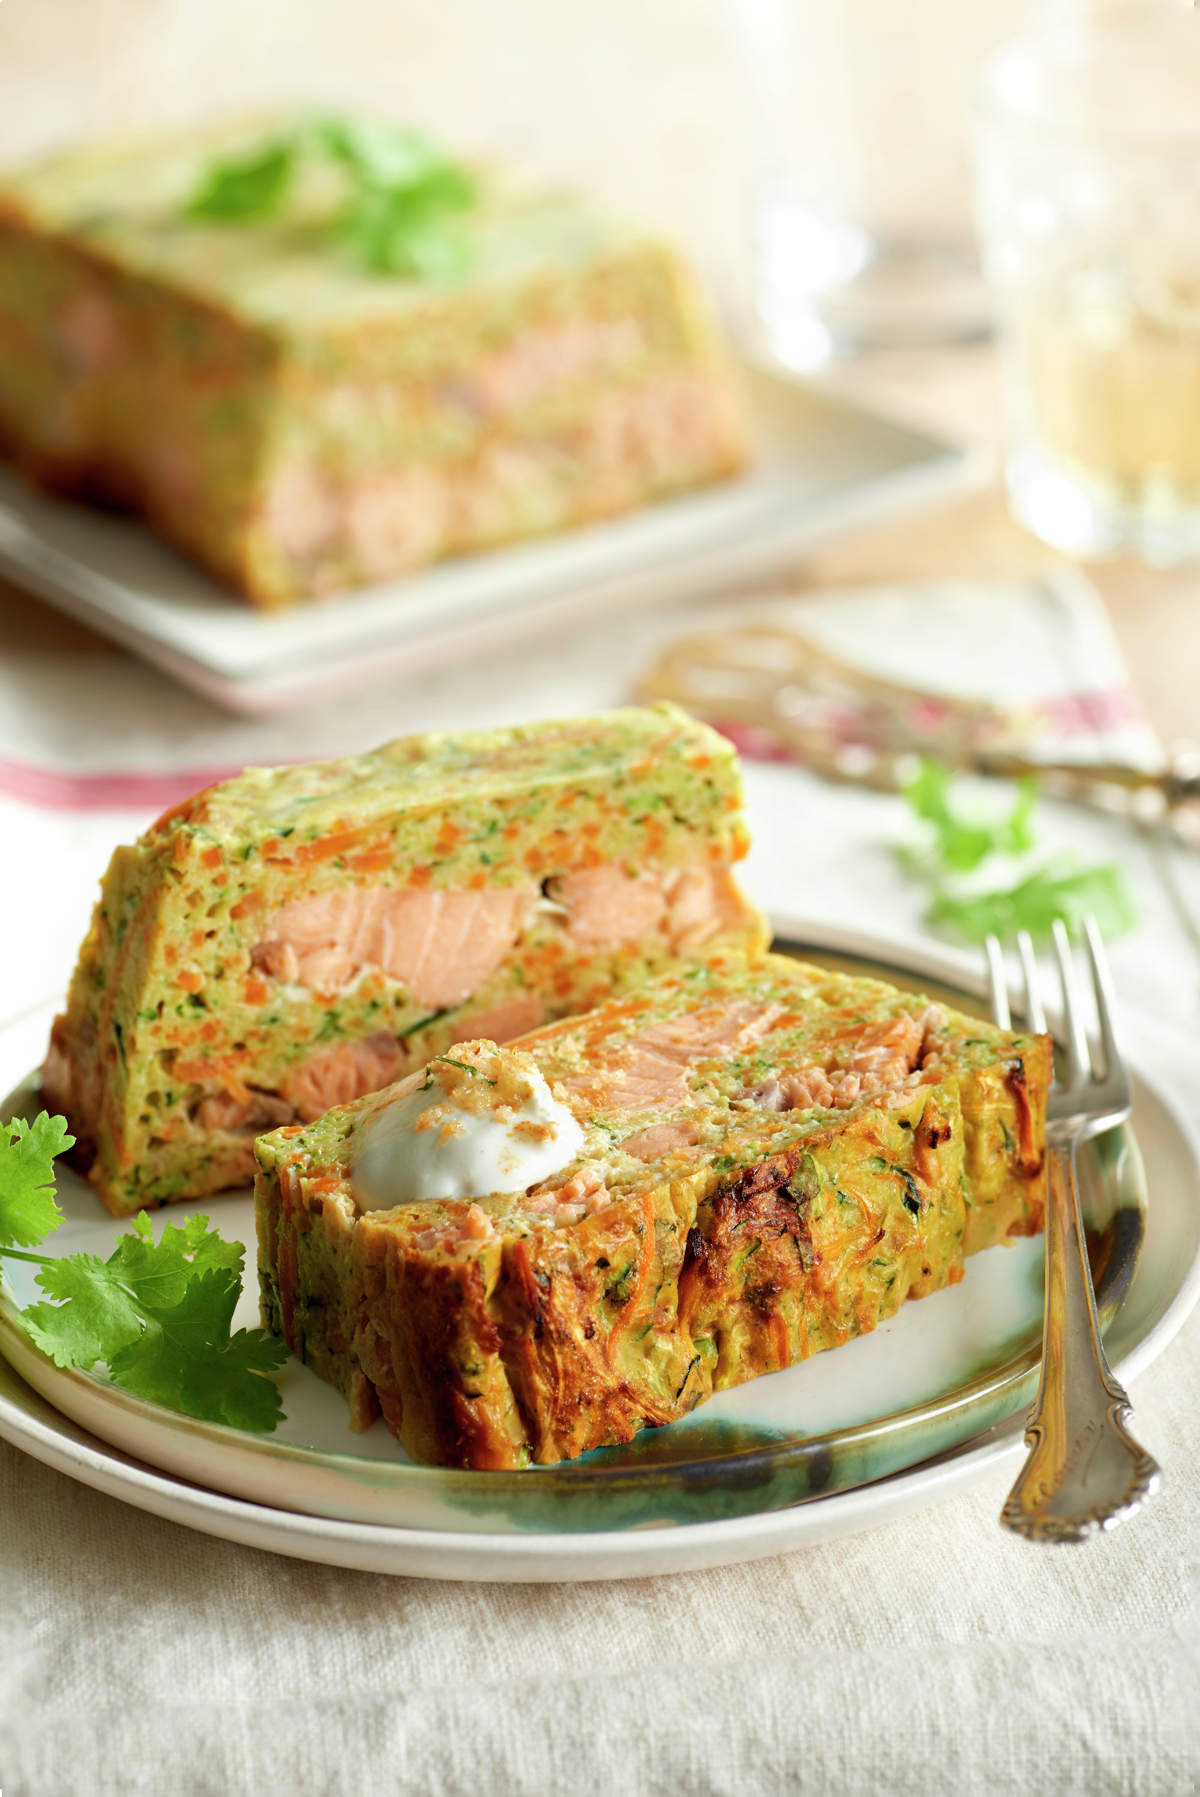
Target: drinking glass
(1088, 167)
(859, 184)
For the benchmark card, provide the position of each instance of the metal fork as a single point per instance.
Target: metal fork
(1084, 1471)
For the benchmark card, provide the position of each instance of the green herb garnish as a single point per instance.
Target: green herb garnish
(1034, 902)
(424, 1023)
(245, 187)
(958, 843)
(28, 1213)
(157, 1313)
(463, 1067)
(398, 202)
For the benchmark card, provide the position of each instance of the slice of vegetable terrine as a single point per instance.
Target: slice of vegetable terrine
(298, 936)
(520, 1254)
(318, 353)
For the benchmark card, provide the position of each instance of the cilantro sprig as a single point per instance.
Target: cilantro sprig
(956, 844)
(402, 199)
(158, 1314)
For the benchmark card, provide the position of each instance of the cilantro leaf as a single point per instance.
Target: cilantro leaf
(1034, 902)
(1017, 834)
(28, 1213)
(385, 243)
(957, 843)
(382, 155)
(405, 230)
(159, 1272)
(245, 187)
(187, 1358)
(93, 1314)
(960, 842)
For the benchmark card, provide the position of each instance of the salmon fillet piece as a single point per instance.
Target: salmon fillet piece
(500, 1024)
(444, 945)
(342, 1073)
(652, 1067)
(441, 945)
(608, 905)
(661, 1140)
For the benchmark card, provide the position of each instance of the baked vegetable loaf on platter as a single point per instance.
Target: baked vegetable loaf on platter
(520, 1254)
(295, 937)
(312, 371)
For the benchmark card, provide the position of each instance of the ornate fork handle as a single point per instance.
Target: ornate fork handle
(1084, 1471)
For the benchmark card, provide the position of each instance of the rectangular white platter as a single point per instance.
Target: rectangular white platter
(823, 464)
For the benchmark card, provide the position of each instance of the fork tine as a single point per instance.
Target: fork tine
(1035, 1011)
(1102, 981)
(997, 983)
(1079, 1064)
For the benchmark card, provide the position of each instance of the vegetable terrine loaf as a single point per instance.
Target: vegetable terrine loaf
(312, 371)
(520, 1254)
(298, 936)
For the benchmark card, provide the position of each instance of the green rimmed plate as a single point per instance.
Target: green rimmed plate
(932, 1382)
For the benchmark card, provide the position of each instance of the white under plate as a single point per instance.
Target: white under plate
(822, 464)
(324, 1495)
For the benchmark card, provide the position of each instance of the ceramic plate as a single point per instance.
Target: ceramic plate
(823, 463)
(942, 1380)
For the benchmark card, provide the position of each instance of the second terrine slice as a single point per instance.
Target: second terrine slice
(298, 936)
(302, 420)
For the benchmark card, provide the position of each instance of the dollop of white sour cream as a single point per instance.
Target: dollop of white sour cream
(425, 1147)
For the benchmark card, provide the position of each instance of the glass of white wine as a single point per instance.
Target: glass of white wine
(1088, 184)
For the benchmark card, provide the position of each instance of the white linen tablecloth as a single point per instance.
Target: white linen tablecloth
(933, 1654)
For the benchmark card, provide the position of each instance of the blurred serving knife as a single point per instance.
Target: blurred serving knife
(781, 695)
